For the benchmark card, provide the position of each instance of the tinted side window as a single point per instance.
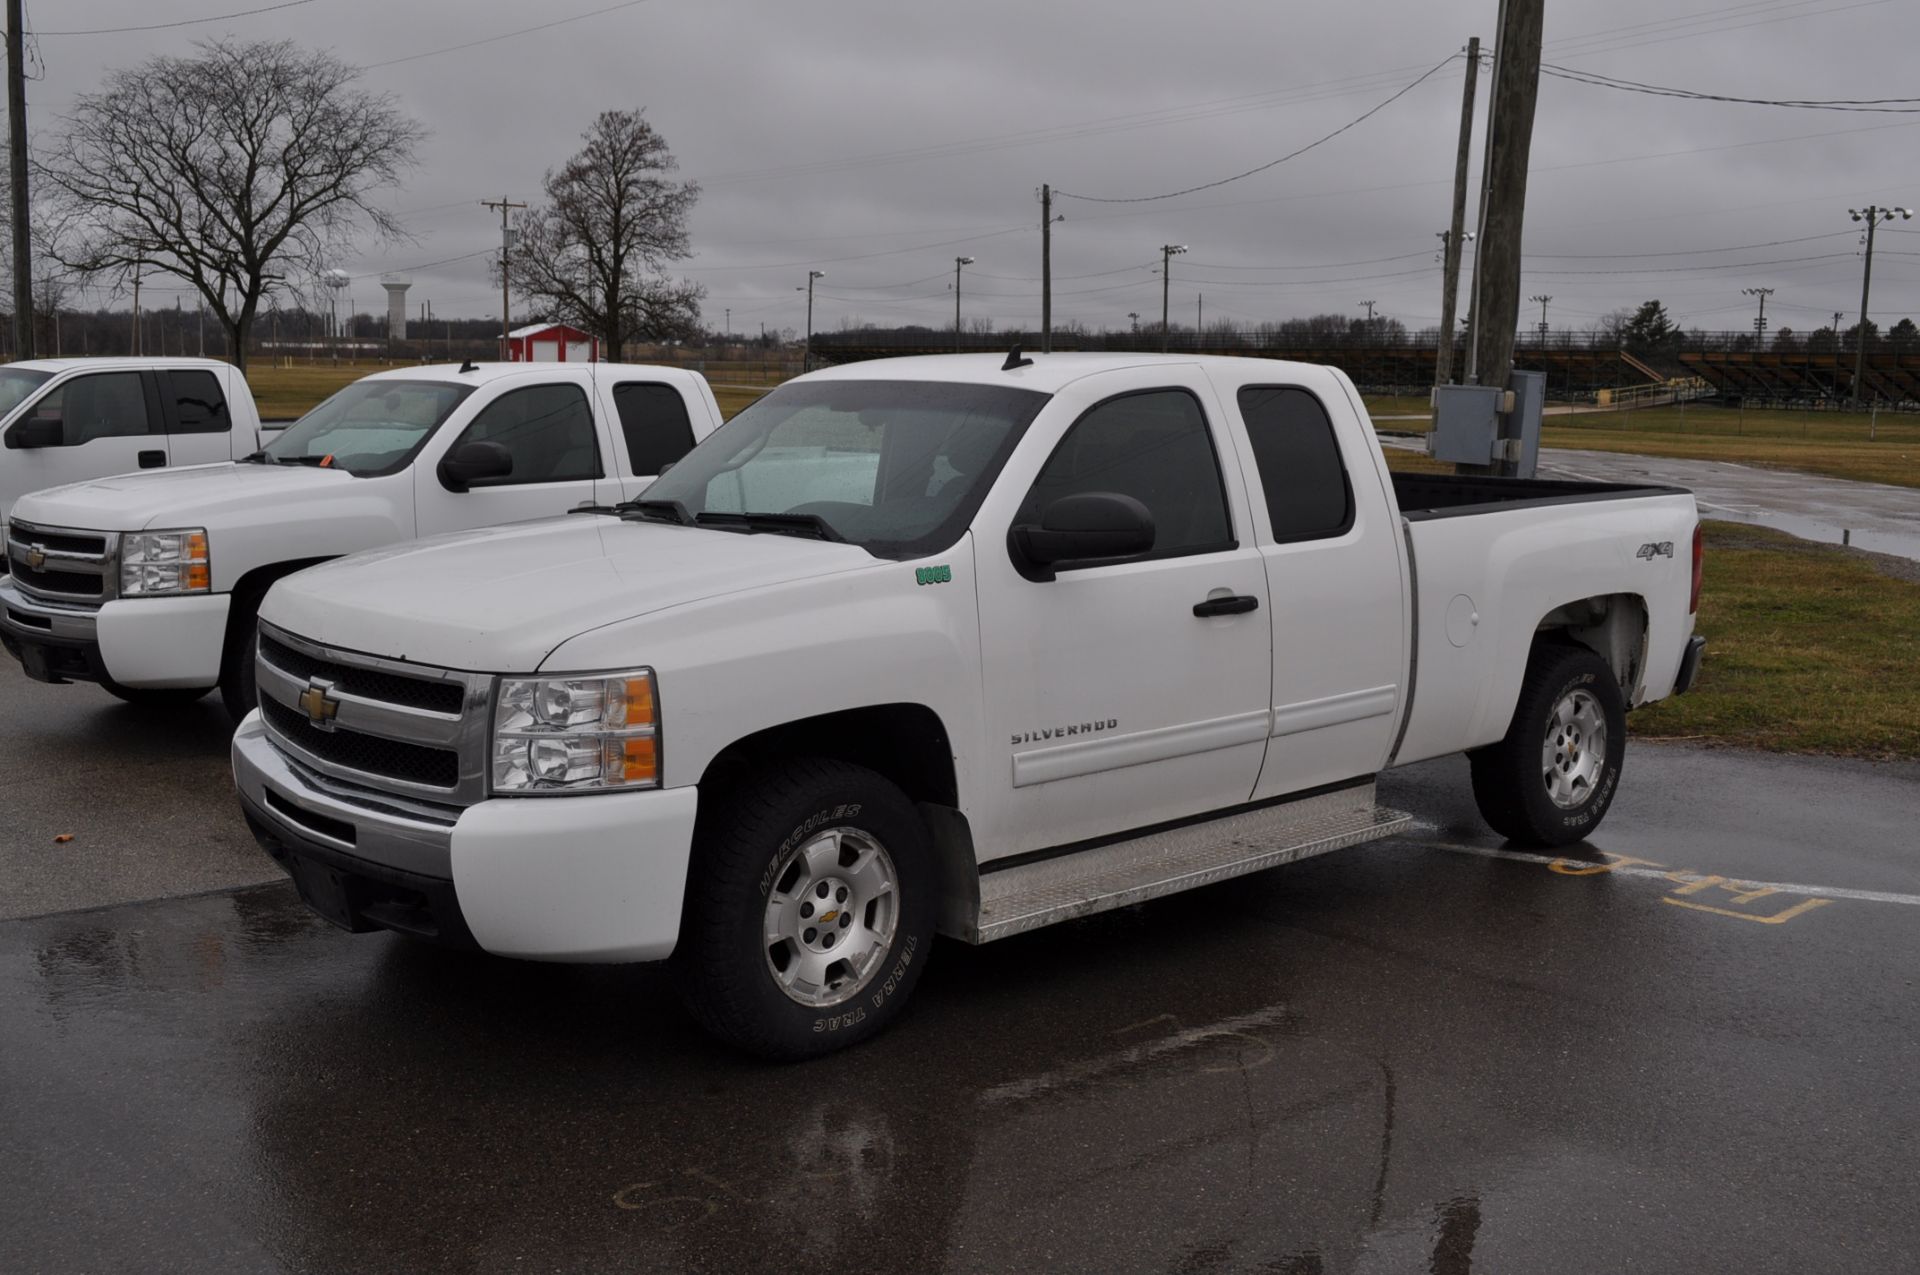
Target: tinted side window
(1154, 447)
(1308, 493)
(103, 405)
(654, 420)
(547, 428)
(198, 405)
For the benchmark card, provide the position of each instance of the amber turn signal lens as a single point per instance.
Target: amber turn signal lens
(640, 760)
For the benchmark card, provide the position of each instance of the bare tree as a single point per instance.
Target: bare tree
(596, 254)
(235, 170)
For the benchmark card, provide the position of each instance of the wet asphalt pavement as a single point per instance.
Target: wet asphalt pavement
(1431, 1054)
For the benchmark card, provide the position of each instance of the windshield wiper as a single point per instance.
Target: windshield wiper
(811, 526)
(258, 458)
(656, 511)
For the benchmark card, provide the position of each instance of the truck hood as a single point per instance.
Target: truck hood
(197, 496)
(500, 600)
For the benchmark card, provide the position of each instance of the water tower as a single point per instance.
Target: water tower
(396, 286)
(336, 282)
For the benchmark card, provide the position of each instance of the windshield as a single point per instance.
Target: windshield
(896, 467)
(18, 382)
(370, 428)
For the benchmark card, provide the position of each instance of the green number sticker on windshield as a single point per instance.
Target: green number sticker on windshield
(933, 575)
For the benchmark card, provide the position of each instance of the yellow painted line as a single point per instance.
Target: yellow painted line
(1628, 866)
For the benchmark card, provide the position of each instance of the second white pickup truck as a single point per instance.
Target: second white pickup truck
(148, 583)
(947, 645)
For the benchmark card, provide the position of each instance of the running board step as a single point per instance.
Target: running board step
(1015, 900)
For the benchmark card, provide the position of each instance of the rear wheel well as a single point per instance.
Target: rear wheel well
(1613, 626)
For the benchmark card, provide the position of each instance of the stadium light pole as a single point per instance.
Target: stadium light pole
(1167, 253)
(957, 263)
(1542, 299)
(1873, 215)
(806, 351)
(1760, 322)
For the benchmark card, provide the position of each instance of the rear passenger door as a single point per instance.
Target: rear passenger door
(549, 431)
(1111, 703)
(1333, 568)
(656, 429)
(109, 424)
(199, 424)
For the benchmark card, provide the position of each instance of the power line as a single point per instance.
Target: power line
(1361, 119)
(1875, 105)
(184, 22)
(509, 35)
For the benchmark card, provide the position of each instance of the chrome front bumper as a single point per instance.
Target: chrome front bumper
(309, 810)
(32, 618)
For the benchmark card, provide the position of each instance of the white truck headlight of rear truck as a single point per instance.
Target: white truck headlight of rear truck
(576, 734)
(164, 563)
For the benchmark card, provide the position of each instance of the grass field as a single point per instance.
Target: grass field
(283, 393)
(1836, 444)
(1810, 648)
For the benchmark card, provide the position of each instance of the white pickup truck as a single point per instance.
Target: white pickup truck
(148, 583)
(66, 420)
(947, 645)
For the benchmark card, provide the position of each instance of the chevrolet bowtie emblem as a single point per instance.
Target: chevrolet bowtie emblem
(36, 557)
(320, 707)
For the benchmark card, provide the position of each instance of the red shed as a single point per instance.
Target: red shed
(552, 343)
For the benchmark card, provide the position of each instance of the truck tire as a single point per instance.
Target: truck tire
(1550, 781)
(155, 696)
(239, 690)
(809, 910)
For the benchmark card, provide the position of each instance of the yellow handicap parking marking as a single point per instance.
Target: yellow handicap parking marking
(1761, 902)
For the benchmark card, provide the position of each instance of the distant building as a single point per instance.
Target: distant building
(552, 343)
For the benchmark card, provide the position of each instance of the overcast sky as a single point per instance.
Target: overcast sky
(876, 141)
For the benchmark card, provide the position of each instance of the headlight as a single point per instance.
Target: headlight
(576, 734)
(163, 562)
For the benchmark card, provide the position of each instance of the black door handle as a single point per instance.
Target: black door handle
(153, 460)
(1237, 604)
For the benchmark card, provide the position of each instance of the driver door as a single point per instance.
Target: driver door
(550, 432)
(108, 425)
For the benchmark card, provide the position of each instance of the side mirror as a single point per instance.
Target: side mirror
(36, 431)
(1088, 527)
(473, 464)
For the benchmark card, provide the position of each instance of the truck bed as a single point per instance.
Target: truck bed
(1427, 496)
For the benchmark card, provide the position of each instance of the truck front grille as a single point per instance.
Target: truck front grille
(413, 692)
(59, 564)
(386, 726)
(367, 755)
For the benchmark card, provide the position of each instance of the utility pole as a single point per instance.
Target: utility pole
(1543, 314)
(1760, 323)
(17, 170)
(1046, 267)
(1516, 86)
(1451, 239)
(504, 206)
(1167, 253)
(1369, 305)
(957, 263)
(729, 326)
(806, 351)
(1199, 314)
(136, 315)
(1873, 215)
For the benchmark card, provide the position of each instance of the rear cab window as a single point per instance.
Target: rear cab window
(655, 425)
(1308, 492)
(199, 405)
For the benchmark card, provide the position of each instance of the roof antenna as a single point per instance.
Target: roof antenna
(1014, 360)
(469, 366)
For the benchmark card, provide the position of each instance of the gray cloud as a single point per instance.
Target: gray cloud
(879, 141)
